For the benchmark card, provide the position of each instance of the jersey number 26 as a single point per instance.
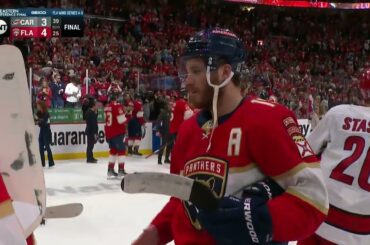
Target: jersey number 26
(358, 143)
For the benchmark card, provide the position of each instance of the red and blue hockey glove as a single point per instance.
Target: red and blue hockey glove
(243, 221)
(266, 189)
(239, 221)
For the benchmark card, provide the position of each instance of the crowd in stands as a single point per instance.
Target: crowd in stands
(308, 59)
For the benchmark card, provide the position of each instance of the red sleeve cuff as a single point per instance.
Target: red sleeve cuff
(292, 218)
(4, 195)
(163, 221)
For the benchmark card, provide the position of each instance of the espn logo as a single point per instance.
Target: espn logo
(3, 27)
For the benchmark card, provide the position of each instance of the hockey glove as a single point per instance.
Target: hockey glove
(239, 221)
(265, 189)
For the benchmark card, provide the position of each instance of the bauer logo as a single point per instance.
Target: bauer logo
(3, 27)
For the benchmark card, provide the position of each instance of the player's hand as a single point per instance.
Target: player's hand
(149, 236)
(239, 221)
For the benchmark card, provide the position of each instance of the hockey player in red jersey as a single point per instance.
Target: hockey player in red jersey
(128, 104)
(115, 120)
(135, 123)
(233, 143)
(180, 111)
(342, 138)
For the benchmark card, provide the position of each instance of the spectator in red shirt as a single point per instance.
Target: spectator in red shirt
(102, 90)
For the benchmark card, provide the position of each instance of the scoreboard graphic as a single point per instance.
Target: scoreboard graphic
(41, 23)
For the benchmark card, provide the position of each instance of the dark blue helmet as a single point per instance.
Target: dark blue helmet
(215, 44)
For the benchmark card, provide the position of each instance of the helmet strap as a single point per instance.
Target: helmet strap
(216, 89)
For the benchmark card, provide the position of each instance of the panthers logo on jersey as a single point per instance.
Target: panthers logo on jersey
(295, 132)
(213, 173)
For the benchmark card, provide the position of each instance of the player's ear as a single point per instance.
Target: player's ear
(224, 72)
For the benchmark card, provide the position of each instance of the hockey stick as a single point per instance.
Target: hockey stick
(161, 148)
(69, 210)
(171, 185)
(143, 132)
(155, 152)
(22, 176)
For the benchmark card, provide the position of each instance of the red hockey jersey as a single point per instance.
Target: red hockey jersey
(129, 107)
(177, 115)
(138, 111)
(114, 120)
(102, 91)
(257, 139)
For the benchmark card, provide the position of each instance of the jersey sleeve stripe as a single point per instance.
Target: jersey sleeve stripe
(140, 114)
(238, 181)
(6, 208)
(313, 203)
(351, 222)
(306, 182)
(296, 169)
(242, 169)
(121, 119)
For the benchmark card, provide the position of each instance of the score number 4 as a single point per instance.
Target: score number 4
(44, 32)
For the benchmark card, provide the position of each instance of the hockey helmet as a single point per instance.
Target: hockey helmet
(215, 44)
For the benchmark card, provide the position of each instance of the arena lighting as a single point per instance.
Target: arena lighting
(247, 8)
(306, 4)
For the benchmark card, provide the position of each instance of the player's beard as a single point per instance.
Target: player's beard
(202, 95)
(201, 99)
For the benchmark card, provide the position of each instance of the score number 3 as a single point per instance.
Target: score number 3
(358, 143)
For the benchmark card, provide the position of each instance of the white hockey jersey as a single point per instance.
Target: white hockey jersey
(343, 136)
